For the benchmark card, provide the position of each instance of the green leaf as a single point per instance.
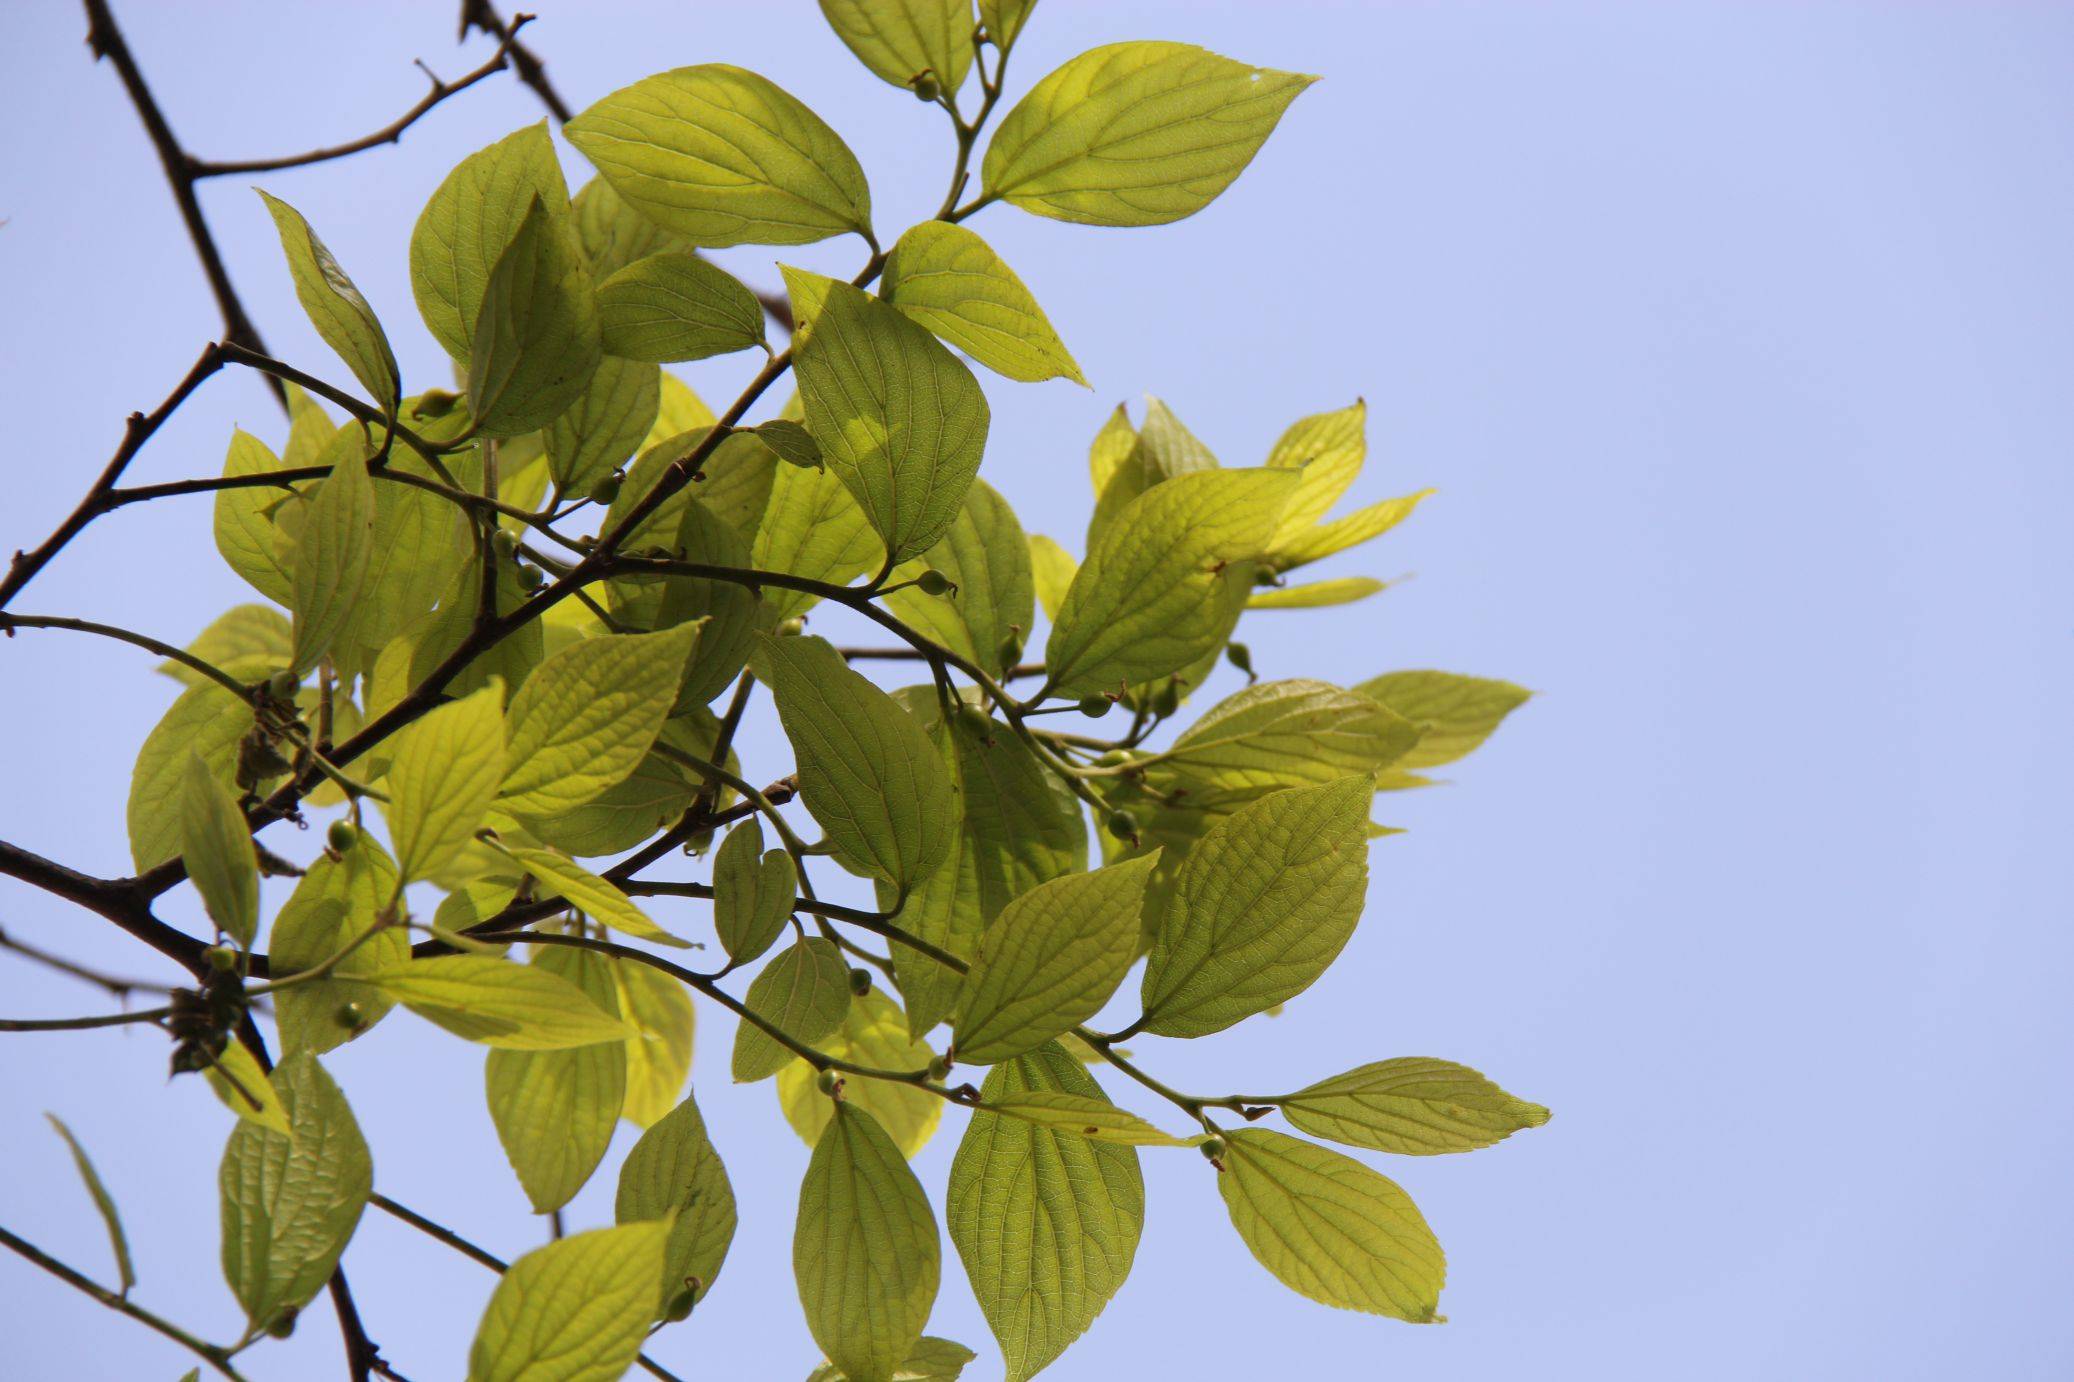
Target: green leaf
(589, 894)
(1327, 449)
(292, 1200)
(1263, 905)
(1279, 734)
(753, 892)
(676, 306)
(1047, 1222)
(1135, 134)
(244, 527)
(673, 1173)
(615, 235)
(335, 902)
(243, 1087)
(952, 282)
(1162, 586)
(1050, 961)
(984, 556)
(721, 156)
(930, 1360)
(331, 556)
(555, 1110)
(1415, 1106)
(465, 228)
(1330, 1228)
(659, 1056)
(1342, 590)
(1126, 461)
(250, 642)
(1458, 713)
(443, 774)
(601, 430)
(814, 528)
(421, 543)
(588, 716)
(216, 844)
(536, 342)
(574, 1311)
(511, 1006)
(1051, 572)
(1004, 20)
(336, 308)
(207, 721)
(875, 1034)
(1085, 1115)
(1337, 536)
(896, 415)
(791, 441)
(866, 769)
(104, 1203)
(865, 1252)
(900, 41)
(732, 613)
(805, 993)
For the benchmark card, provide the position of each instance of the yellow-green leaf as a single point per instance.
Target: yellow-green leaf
(673, 1173)
(246, 535)
(216, 845)
(104, 1203)
(930, 1360)
(865, 1252)
(250, 642)
(1330, 1228)
(1458, 713)
(334, 904)
(985, 558)
(895, 414)
(207, 721)
(555, 1110)
(1135, 134)
(953, 282)
(1047, 1221)
(875, 1034)
(1326, 539)
(587, 717)
(602, 429)
(465, 228)
(331, 556)
(536, 343)
(900, 39)
(1415, 1106)
(1085, 1115)
(1163, 585)
(245, 1090)
(1279, 734)
(805, 992)
(576, 1310)
(512, 1006)
(1050, 961)
(1341, 590)
(753, 892)
(335, 307)
(443, 774)
(659, 1009)
(866, 770)
(292, 1200)
(1004, 20)
(1328, 449)
(721, 156)
(1051, 573)
(590, 894)
(1263, 905)
(814, 528)
(676, 306)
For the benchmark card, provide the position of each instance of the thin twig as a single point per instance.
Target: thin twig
(214, 1355)
(115, 987)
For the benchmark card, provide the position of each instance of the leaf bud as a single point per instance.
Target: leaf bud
(1095, 707)
(1266, 575)
(679, 1308)
(1241, 657)
(283, 1324)
(283, 685)
(924, 85)
(1167, 699)
(1011, 648)
(860, 981)
(342, 835)
(934, 582)
(604, 489)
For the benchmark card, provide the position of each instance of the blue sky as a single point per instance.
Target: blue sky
(1735, 339)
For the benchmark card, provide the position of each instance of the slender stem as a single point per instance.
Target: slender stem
(387, 134)
(113, 985)
(80, 1024)
(214, 1355)
(11, 622)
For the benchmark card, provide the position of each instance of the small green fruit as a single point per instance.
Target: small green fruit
(860, 981)
(221, 958)
(506, 542)
(680, 1305)
(1010, 650)
(351, 1016)
(939, 1068)
(531, 577)
(792, 628)
(924, 85)
(604, 489)
(1123, 825)
(342, 835)
(283, 1324)
(1241, 657)
(934, 582)
(829, 1083)
(282, 686)
(1095, 707)
(1167, 699)
(1213, 1149)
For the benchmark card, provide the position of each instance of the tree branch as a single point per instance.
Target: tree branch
(387, 134)
(214, 1355)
